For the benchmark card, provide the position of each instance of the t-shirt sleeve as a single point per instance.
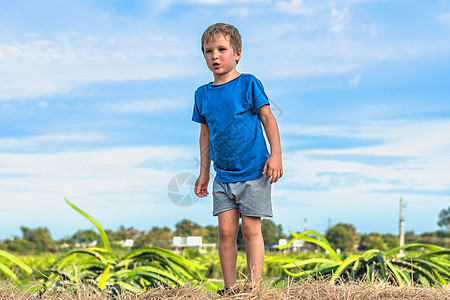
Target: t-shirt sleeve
(196, 116)
(256, 95)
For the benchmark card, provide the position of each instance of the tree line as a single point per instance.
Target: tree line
(341, 236)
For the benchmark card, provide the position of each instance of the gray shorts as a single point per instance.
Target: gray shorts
(251, 197)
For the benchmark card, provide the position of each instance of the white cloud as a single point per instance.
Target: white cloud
(294, 7)
(117, 186)
(163, 5)
(372, 130)
(42, 178)
(339, 19)
(355, 80)
(364, 1)
(39, 67)
(444, 18)
(313, 51)
(144, 106)
(33, 65)
(374, 30)
(241, 12)
(33, 142)
(219, 1)
(435, 134)
(421, 149)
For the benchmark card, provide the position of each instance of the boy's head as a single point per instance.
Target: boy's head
(229, 32)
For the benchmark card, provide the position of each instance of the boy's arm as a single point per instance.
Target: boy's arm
(201, 185)
(273, 166)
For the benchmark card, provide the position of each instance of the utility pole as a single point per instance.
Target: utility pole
(305, 225)
(401, 229)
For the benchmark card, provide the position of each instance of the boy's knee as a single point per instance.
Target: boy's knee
(228, 231)
(251, 232)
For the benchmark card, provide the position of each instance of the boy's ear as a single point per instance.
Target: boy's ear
(237, 55)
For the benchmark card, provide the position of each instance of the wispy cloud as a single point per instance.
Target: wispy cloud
(164, 5)
(117, 185)
(435, 134)
(299, 52)
(36, 142)
(295, 7)
(355, 80)
(420, 148)
(87, 174)
(328, 40)
(144, 106)
(42, 66)
(339, 18)
(444, 18)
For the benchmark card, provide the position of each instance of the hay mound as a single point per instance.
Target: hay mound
(307, 290)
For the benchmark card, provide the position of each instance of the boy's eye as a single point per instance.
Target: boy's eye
(208, 51)
(222, 49)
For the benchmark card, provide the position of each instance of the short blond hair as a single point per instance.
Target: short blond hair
(228, 31)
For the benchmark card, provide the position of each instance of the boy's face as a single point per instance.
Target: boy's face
(220, 56)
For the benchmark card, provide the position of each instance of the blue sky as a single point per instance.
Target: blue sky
(96, 100)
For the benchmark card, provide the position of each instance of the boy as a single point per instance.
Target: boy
(231, 110)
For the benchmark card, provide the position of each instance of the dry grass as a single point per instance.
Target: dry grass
(308, 290)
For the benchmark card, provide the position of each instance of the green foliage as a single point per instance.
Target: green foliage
(444, 219)
(391, 240)
(19, 246)
(188, 228)
(342, 236)
(213, 234)
(8, 272)
(103, 236)
(373, 240)
(38, 262)
(440, 238)
(430, 266)
(40, 237)
(156, 237)
(240, 239)
(34, 240)
(84, 237)
(133, 272)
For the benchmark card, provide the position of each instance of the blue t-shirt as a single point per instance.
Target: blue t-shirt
(237, 145)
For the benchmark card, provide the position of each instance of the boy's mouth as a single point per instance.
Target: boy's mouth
(216, 65)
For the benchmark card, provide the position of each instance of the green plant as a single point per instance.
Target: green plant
(132, 272)
(8, 272)
(427, 267)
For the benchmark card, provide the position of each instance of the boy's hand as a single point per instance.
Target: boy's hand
(273, 167)
(201, 186)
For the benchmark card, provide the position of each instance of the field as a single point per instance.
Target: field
(209, 263)
(309, 289)
(422, 272)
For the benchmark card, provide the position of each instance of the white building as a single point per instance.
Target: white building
(181, 242)
(296, 246)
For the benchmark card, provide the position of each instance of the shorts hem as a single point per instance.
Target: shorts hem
(257, 215)
(215, 213)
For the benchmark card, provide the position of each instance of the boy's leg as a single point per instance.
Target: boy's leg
(228, 230)
(254, 244)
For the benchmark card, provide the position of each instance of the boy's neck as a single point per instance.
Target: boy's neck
(224, 78)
